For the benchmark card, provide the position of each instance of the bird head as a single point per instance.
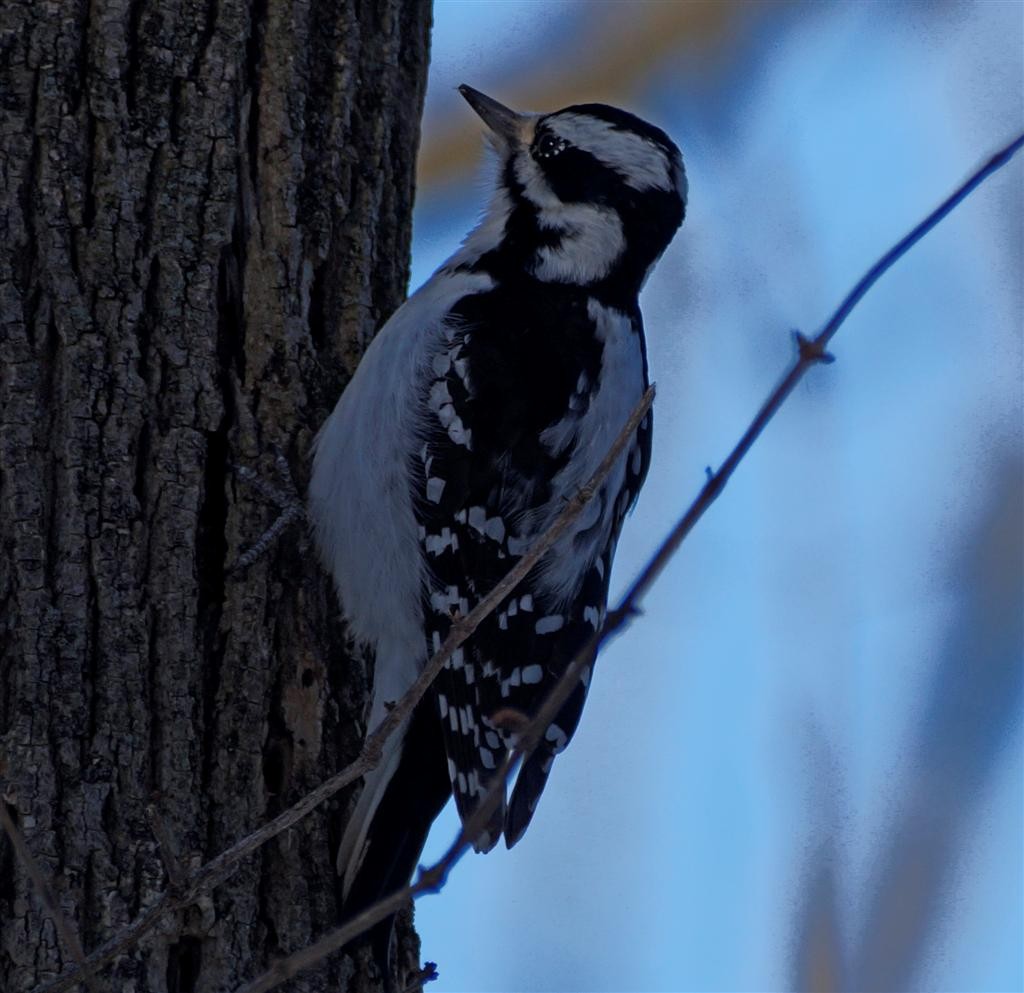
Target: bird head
(585, 194)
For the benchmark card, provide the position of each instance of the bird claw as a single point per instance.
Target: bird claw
(284, 496)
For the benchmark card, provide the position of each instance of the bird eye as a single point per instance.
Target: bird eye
(548, 146)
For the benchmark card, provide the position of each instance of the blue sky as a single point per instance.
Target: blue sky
(793, 686)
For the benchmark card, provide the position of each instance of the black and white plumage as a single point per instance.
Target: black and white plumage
(482, 405)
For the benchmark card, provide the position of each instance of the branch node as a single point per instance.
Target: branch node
(585, 494)
(373, 750)
(509, 719)
(812, 350)
(432, 878)
(425, 975)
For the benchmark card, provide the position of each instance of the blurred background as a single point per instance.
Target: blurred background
(801, 768)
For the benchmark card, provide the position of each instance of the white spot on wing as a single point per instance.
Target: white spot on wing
(462, 371)
(443, 600)
(549, 624)
(517, 546)
(557, 737)
(439, 395)
(460, 434)
(435, 486)
(477, 518)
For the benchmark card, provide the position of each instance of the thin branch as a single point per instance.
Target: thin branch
(903, 246)
(68, 936)
(217, 868)
(809, 352)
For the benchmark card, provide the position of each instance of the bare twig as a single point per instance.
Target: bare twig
(68, 936)
(217, 868)
(809, 352)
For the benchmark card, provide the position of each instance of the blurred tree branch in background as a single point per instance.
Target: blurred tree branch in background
(611, 59)
(976, 684)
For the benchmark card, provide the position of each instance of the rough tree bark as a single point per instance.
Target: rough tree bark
(205, 214)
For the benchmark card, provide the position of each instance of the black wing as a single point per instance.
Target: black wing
(507, 373)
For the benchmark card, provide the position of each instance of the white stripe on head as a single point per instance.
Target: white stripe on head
(640, 162)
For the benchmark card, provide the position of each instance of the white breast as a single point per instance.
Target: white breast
(360, 494)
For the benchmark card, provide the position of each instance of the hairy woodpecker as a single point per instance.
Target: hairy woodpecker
(481, 406)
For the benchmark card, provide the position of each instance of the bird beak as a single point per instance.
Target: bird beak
(504, 123)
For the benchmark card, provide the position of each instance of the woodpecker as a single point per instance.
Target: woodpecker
(481, 406)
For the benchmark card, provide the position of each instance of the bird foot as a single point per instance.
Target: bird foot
(284, 496)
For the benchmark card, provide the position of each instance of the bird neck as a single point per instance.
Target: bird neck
(576, 244)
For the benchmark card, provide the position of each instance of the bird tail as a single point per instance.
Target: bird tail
(529, 785)
(533, 775)
(354, 844)
(382, 842)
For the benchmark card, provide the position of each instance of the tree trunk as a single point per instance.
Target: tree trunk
(205, 214)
